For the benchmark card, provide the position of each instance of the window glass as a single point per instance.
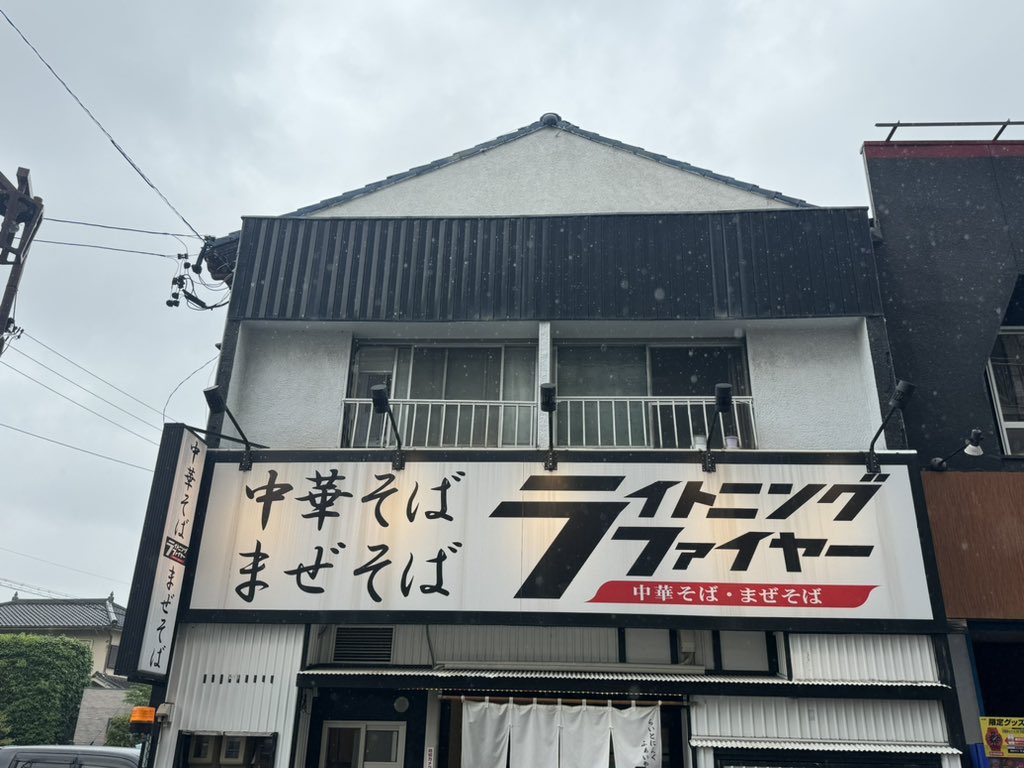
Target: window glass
(744, 651)
(597, 371)
(1006, 369)
(381, 746)
(428, 364)
(520, 375)
(694, 371)
(473, 373)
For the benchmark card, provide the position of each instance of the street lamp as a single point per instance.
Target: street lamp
(971, 446)
(379, 395)
(723, 404)
(900, 396)
(549, 404)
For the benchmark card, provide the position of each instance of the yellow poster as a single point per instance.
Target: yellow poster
(1003, 736)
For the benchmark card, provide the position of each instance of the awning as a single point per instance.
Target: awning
(825, 746)
(565, 681)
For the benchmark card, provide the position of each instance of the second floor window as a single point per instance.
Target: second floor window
(1006, 377)
(649, 396)
(465, 396)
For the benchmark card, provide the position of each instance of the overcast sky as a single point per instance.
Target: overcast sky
(237, 108)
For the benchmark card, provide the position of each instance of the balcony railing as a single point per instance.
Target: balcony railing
(443, 424)
(650, 422)
(584, 422)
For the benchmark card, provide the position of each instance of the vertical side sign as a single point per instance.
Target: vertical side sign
(163, 550)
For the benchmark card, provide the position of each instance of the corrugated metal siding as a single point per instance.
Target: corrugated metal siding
(863, 658)
(818, 720)
(750, 264)
(464, 644)
(237, 678)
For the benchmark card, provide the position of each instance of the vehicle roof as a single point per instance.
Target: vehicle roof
(65, 748)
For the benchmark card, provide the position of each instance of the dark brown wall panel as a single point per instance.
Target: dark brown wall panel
(700, 266)
(976, 521)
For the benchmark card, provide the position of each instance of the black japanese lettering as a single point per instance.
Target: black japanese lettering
(659, 541)
(272, 492)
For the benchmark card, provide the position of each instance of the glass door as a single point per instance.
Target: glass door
(362, 745)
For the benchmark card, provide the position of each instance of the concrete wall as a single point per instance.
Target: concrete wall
(813, 384)
(813, 388)
(553, 172)
(288, 384)
(98, 706)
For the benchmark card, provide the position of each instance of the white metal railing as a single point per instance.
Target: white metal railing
(650, 422)
(580, 422)
(442, 424)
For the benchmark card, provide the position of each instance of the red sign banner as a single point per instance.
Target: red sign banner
(734, 594)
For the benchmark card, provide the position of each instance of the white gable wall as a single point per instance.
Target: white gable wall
(552, 172)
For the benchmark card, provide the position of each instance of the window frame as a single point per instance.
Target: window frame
(1001, 422)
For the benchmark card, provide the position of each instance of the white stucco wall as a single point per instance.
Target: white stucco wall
(812, 381)
(553, 172)
(813, 388)
(288, 384)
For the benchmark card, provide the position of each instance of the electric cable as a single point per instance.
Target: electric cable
(29, 336)
(32, 589)
(72, 400)
(121, 229)
(106, 248)
(84, 389)
(74, 448)
(61, 565)
(180, 383)
(99, 125)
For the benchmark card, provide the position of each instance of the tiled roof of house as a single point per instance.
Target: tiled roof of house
(61, 614)
(548, 120)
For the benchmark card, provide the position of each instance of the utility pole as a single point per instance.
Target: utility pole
(20, 211)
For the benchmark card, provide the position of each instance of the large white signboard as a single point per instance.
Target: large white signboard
(792, 540)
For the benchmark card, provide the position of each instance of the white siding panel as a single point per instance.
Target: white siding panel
(863, 658)
(233, 678)
(524, 644)
(819, 720)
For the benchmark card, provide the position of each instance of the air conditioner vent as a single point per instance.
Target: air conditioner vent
(363, 645)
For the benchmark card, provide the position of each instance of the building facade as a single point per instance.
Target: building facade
(631, 570)
(949, 219)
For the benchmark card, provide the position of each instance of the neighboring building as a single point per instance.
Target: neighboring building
(99, 624)
(343, 604)
(96, 622)
(950, 218)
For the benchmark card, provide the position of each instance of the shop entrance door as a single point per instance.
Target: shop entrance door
(349, 744)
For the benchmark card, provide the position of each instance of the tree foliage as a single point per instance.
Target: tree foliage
(118, 734)
(41, 684)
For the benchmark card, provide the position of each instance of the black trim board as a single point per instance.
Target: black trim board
(148, 556)
(473, 685)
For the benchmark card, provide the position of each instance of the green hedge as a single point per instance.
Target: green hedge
(41, 684)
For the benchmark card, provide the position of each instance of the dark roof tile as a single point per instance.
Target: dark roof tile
(61, 614)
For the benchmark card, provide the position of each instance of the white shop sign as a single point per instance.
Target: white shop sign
(750, 540)
(169, 577)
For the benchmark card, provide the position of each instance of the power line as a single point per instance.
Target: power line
(74, 448)
(72, 400)
(121, 229)
(86, 370)
(61, 565)
(76, 384)
(197, 370)
(106, 248)
(32, 589)
(100, 125)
